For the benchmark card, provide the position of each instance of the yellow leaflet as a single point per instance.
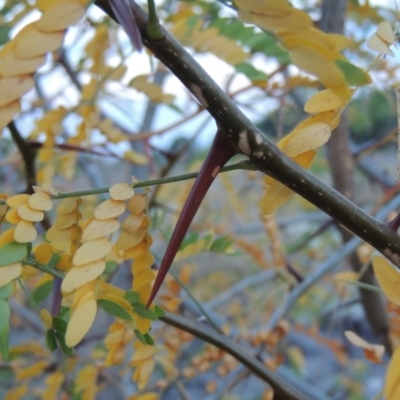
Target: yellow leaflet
(118, 300)
(96, 228)
(43, 253)
(33, 43)
(25, 232)
(325, 100)
(68, 161)
(111, 289)
(128, 240)
(61, 16)
(142, 354)
(17, 200)
(92, 251)
(272, 15)
(35, 369)
(8, 112)
(85, 291)
(153, 91)
(116, 74)
(7, 237)
(81, 320)
(54, 382)
(145, 372)
(382, 39)
(143, 277)
(136, 250)
(277, 194)
(17, 393)
(29, 214)
(133, 222)
(9, 273)
(13, 217)
(317, 64)
(388, 277)
(145, 260)
(144, 291)
(392, 379)
(135, 158)
(78, 276)
(142, 324)
(13, 88)
(13, 66)
(40, 201)
(121, 191)
(109, 209)
(46, 318)
(59, 235)
(66, 220)
(137, 204)
(68, 205)
(347, 276)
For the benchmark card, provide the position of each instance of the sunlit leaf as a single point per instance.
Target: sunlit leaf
(12, 88)
(25, 232)
(92, 251)
(9, 273)
(40, 201)
(78, 276)
(121, 191)
(388, 277)
(29, 214)
(81, 320)
(109, 209)
(61, 16)
(98, 228)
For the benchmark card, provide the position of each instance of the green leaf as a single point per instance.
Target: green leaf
(42, 291)
(12, 252)
(54, 260)
(252, 73)
(354, 76)
(159, 311)
(6, 291)
(59, 324)
(4, 313)
(131, 296)
(4, 346)
(110, 267)
(140, 336)
(68, 351)
(141, 310)
(114, 309)
(149, 340)
(223, 245)
(51, 340)
(4, 33)
(4, 328)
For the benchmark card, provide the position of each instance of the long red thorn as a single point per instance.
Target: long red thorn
(220, 153)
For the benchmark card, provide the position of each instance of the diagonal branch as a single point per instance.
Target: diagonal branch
(264, 154)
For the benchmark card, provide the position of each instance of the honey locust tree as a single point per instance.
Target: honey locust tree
(102, 105)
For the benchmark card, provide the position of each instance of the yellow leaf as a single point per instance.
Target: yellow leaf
(81, 275)
(392, 379)
(144, 276)
(31, 42)
(145, 260)
(145, 396)
(81, 320)
(59, 235)
(135, 158)
(13, 66)
(325, 100)
(13, 88)
(347, 276)
(25, 232)
(142, 354)
(16, 393)
(132, 223)
(29, 214)
(96, 228)
(46, 318)
(121, 191)
(135, 251)
(32, 370)
(128, 240)
(388, 277)
(68, 205)
(137, 204)
(276, 193)
(13, 217)
(8, 112)
(7, 237)
(92, 251)
(43, 253)
(109, 209)
(40, 201)
(61, 16)
(145, 372)
(66, 220)
(143, 324)
(9, 273)
(17, 200)
(382, 39)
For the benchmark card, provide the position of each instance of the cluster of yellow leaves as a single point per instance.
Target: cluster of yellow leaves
(86, 382)
(143, 362)
(119, 335)
(317, 53)
(208, 40)
(88, 262)
(21, 57)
